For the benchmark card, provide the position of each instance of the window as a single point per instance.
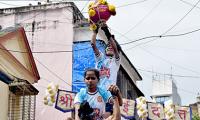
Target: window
(21, 107)
(162, 99)
(22, 100)
(126, 85)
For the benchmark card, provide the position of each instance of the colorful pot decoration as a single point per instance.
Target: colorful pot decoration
(99, 11)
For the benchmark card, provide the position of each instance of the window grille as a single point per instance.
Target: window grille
(22, 101)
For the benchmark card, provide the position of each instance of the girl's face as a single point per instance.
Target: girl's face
(91, 80)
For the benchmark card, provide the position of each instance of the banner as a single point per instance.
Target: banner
(65, 100)
(127, 108)
(156, 111)
(182, 113)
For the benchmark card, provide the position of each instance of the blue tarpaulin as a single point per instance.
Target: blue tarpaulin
(83, 58)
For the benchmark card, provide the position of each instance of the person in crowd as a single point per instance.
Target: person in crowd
(91, 102)
(108, 63)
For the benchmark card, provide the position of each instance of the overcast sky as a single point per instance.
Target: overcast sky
(176, 53)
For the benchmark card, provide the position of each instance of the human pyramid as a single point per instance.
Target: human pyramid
(101, 99)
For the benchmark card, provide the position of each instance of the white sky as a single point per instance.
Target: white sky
(177, 55)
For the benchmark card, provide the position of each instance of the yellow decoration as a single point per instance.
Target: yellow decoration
(52, 95)
(91, 12)
(56, 87)
(45, 98)
(102, 2)
(50, 91)
(111, 8)
(169, 113)
(141, 107)
(93, 27)
(143, 101)
(169, 110)
(45, 102)
(50, 104)
(53, 100)
(91, 4)
(49, 86)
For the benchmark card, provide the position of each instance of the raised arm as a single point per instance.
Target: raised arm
(116, 110)
(93, 43)
(116, 92)
(111, 39)
(119, 96)
(113, 43)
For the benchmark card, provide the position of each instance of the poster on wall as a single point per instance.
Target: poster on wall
(65, 100)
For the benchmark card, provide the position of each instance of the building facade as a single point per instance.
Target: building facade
(17, 74)
(196, 106)
(52, 30)
(163, 90)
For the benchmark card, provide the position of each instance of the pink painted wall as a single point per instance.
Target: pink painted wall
(48, 29)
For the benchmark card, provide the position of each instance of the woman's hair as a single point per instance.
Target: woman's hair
(96, 72)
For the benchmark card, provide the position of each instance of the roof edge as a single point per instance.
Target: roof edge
(13, 10)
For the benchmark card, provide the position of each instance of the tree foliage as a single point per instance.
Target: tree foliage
(195, 116)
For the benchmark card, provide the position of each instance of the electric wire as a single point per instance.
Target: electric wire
(189, 3)
(40, 77)
(131, 3)
(178, 88)
(84, 6)
(52, 72)
(140, 39)
(168, 74)
(160, 36)
(125, 5)
(176, 49)
(149, 13)
(165, 31)
(132, 41)
(171, 63)
(182, 18)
